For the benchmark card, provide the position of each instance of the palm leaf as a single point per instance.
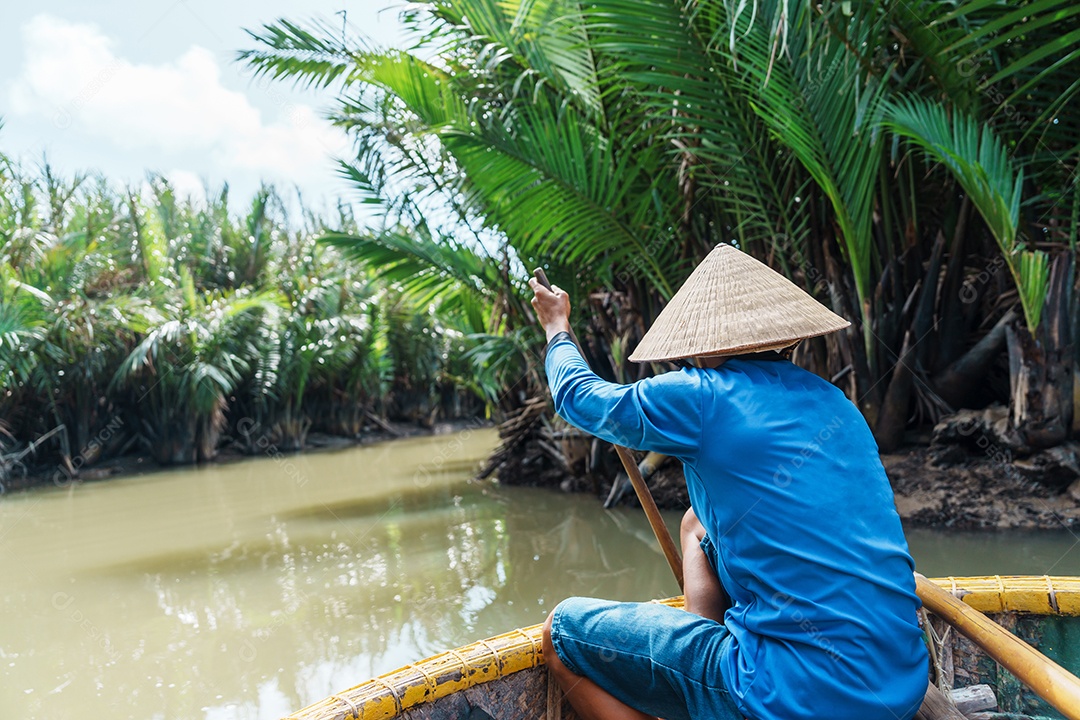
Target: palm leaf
(687, 91)
(314, 56)
(978, 160)
(430, 270)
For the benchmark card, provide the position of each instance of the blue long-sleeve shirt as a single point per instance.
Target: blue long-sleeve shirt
(785, 476)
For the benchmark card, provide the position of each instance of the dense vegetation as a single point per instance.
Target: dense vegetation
(911, 164)
(137, 317)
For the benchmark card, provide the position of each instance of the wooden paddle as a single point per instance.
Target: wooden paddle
(663, 535)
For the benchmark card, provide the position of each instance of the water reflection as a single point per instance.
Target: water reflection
(239, 592)
(246, 591)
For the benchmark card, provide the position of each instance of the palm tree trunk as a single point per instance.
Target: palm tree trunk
(176, 442)
(1041, 366)
(957, 383)
(889, 429)
(954, 322)
(862, 390)
(208, 433)
(1074, 313)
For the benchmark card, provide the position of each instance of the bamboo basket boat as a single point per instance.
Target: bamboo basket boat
(504, 676)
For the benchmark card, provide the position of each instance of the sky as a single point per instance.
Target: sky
(125, 87)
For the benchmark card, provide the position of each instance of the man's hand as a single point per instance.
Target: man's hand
(552, 308)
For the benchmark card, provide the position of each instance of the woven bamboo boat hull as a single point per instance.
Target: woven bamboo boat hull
(505, 675)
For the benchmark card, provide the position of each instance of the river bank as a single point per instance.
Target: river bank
(962, 474)
(936, 485)
(50, 474)
(968, 472)
(964, 492)
(938, 488)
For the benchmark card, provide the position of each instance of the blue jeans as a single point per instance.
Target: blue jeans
(661, 660)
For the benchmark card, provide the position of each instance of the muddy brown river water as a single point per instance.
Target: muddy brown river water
(246, 590)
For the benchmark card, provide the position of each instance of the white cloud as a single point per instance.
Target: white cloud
(186, 184)
(73, 77)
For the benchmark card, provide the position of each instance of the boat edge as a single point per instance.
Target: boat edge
(438, 676)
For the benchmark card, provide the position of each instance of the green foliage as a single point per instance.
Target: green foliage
(194, 351)
(615, 142)
(1032, 274)
(980, 163)
(178, 320)
(973, 154)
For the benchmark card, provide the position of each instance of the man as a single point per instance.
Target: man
(798, 579)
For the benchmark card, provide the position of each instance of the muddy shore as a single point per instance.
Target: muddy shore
(947, 488)
(43, 475)
(965, 491)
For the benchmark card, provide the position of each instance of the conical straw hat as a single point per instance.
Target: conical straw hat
(733, 304)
